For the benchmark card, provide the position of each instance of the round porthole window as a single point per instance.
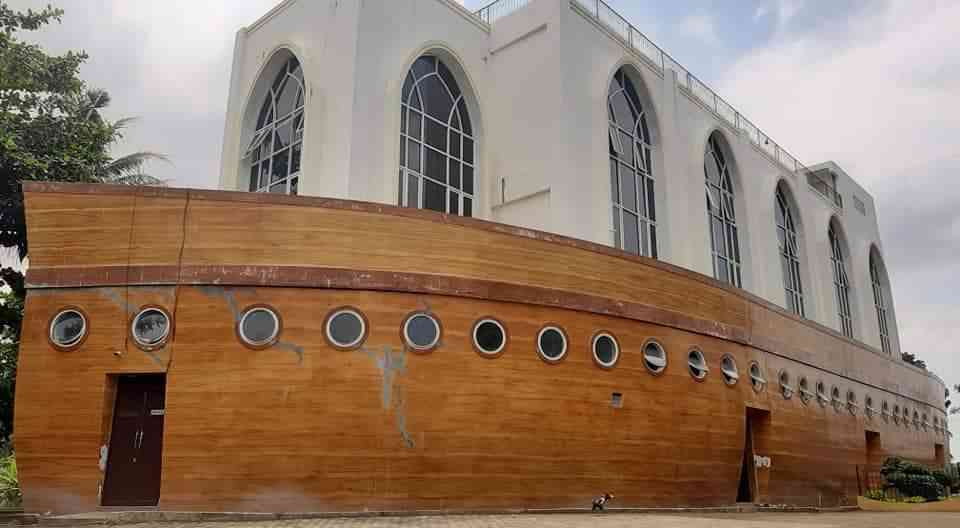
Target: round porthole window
(68, 329)
(606, 350)
(259, 327)
(552, 343)
(852, 402)
(896, 414)
(654, 357)
(804, 387)
(835, 398)
(785, 388)
(822, 394)
(150, 328)
(757, 380)
(345, 328)
(728, 368)
(421, 332)
(489, 337)
(697, 364)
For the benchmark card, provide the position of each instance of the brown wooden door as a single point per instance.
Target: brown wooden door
(136, 442)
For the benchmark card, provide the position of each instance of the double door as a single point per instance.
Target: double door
(136, 442)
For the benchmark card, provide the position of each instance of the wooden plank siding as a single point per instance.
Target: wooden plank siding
(304, 427)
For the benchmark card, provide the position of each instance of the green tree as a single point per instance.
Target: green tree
(914, 360)
(12, 294)
(51, 129)
(955, 410)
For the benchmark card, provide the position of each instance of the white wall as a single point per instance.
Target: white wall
(538, 82)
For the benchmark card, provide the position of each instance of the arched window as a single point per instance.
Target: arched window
(879, 300)
(437, 143)
(275, 152)
(841, 282)
(631, 174)
(724, 244)
(789, 254)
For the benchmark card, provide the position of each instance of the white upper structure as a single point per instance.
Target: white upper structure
(555, 115)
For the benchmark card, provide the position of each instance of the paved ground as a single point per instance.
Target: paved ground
(612, 520)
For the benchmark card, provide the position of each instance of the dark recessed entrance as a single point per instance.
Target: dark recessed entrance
(136, 442)
(757, 425)
(874, 448)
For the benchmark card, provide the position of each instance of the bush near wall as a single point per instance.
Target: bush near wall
(10, 496)
(952, 472)
(913, 480)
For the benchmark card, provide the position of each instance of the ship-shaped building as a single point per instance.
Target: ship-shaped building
(495, 260)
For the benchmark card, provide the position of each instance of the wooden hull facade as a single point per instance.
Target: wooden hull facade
(302, 426)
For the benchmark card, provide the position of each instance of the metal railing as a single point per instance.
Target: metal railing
(823, 185)
(499, 9)
(638, 42)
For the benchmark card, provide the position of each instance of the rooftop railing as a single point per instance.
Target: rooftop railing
(825, 183)
(498, 9)
(638, 42)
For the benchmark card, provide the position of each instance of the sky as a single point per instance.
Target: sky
(873, 85)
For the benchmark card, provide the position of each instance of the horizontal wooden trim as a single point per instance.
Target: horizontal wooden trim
(373, 280)
(352, 279)
(420, 214)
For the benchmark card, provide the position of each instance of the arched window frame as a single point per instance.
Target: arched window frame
(721, 214)
(441, 161)
(789, 245)
(841, 282)
(880, 302)
(631, 171)
(275, 152)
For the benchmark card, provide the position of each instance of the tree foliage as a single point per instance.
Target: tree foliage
(914, 360)
(12, 294)
(955, 410)
(51, 129)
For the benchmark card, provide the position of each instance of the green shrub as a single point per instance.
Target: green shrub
(952, 472)
(911, 479)
(942, 478)
(917, 486)
(9, 486)
(876, 494)
(914, 500)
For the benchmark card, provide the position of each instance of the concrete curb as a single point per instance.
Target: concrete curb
(18, 518)
(133, 517)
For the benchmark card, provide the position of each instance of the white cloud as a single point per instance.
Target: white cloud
(166, 62)
(761, 12)
(786, 10)
(878, 94)
(700, 26)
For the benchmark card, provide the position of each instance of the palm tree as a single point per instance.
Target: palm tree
(128, 169)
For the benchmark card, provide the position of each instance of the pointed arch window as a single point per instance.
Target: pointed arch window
(789, 254)
(631, 173)
(841, 283)
(276, 149)
(879, 300)
(437, 142)
(724, 241)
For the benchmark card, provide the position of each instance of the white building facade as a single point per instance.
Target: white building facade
(555, 115)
